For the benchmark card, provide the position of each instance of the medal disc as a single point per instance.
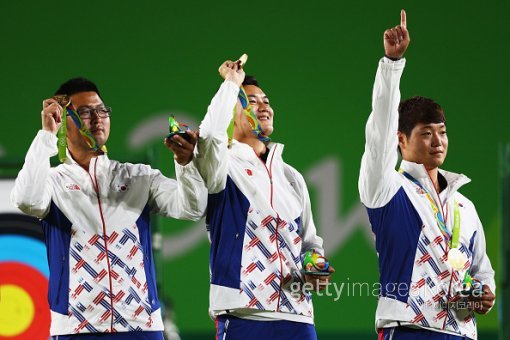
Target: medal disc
(456, 259)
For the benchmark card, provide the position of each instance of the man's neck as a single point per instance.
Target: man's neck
(258, 146)
(83, 157)
(434, 176)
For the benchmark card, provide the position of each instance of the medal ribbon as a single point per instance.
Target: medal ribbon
(89, 138)
(468, 279)
(454, 236)
(62, 137)
(447, 235)
(252, 118)
(456, 225)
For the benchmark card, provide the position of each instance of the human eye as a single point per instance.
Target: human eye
(84, 112)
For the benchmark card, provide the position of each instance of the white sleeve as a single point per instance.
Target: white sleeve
(32, 189)
(184, 198)
(378, 179)
(481, 267)
(211, 156)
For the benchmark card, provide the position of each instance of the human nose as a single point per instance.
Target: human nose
(436, 140)
(263, 107)
(94, 115)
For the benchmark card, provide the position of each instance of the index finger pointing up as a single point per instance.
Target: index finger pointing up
(403, 20)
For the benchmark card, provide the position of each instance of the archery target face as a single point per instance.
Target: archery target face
(24, 310)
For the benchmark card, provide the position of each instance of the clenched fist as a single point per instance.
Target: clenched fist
(233, 71)
(51, 115)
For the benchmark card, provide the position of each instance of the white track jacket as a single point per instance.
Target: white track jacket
(98, 235)
(259, 220)
(418, 286)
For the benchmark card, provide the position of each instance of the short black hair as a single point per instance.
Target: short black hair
(76, 85)
(250, 80)
(416, 110)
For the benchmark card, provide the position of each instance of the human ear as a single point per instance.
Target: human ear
(402, 140)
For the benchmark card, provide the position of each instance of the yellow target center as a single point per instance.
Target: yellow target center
(16, 310)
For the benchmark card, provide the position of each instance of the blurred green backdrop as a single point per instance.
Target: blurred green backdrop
(315, 60)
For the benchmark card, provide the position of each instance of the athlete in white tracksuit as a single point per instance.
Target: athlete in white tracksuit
(419, 286)
(96, 221)
(259, 220)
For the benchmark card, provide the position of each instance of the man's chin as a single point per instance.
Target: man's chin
(436, 163)
(266, 130)
(100, 138)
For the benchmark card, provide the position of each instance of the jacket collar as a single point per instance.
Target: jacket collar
(102, 161)
(245, 152)
(418, 171)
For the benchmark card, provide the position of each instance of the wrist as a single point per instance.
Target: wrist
(234, 80)
(184, 162)
(393, 58)
(49, 130)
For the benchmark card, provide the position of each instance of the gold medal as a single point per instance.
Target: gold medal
(457, 259)
(242, 61)
(62, 99)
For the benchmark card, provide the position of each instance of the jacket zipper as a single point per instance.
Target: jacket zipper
(270, 174)
(446, 250)
(95, 185)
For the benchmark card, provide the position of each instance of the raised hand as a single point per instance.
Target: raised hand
(396, 39)
(232, 70)
(51, 115)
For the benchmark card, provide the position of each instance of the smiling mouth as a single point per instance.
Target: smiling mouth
(263, 118)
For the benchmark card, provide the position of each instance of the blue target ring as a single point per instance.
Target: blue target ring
(14, 248)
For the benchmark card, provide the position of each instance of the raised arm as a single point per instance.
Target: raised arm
(377, 181)
(32, 191)
(210, 158)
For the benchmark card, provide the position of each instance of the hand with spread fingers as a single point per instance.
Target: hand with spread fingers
(182, 149)
(396, 39)
(482, 303)
(233, 71)
(51, 115)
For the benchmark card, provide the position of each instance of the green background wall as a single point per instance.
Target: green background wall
(315, 60)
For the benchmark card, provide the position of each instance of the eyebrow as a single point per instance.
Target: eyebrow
(255, 96)
(91, 106)
(430, 126)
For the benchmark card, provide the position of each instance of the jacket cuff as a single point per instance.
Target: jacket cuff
(387, 63)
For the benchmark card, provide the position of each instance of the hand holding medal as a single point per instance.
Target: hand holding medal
(181, 141)
(316, 270)
(175, 128)
(471, 286)
(315, 264)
